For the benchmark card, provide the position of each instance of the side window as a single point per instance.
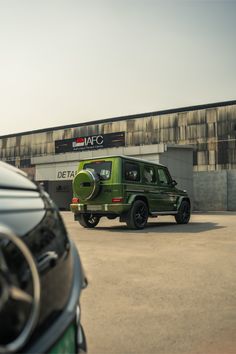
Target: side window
(163, 176)
(132, 172)
(149, 175)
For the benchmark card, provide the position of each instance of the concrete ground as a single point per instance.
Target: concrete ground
(167, 289)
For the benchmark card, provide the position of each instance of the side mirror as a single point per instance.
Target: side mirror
(173, 183)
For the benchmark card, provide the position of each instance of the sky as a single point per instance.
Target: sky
(72, 61)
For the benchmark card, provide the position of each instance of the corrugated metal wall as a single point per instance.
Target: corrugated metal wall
(211, 132)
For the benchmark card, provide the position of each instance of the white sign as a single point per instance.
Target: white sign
(56, 171)
(65, 174)
(66, 171)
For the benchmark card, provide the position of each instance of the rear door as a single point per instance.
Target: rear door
(109, 172)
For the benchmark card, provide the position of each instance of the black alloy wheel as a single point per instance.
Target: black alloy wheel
(138, 215)
(88, 220)
(184, 213)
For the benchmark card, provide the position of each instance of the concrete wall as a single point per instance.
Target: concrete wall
(214, 190)
(231, 189)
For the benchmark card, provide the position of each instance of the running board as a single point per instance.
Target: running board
(164, 213)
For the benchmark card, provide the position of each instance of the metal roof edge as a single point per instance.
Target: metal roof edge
(121, 118)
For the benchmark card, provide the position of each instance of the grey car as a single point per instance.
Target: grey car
(41, 276)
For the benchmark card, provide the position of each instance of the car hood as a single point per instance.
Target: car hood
(13, 178)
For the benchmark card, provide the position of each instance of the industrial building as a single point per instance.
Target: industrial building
(197, 144)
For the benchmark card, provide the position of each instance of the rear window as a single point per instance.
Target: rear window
(102, 168)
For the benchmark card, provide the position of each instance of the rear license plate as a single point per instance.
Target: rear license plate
(94, 207)
(67, 344)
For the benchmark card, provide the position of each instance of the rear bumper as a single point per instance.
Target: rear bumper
(48, 340)
(101, 209)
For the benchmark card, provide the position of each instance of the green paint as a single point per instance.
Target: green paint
(129, 188)
(67, 344)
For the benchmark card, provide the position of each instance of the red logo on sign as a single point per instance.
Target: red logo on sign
(80, 140)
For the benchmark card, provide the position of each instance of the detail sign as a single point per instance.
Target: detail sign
(92, 142)
(66, 174)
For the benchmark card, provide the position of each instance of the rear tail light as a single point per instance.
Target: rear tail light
(75, 200)
(117, 200)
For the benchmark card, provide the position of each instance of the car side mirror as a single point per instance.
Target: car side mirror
(173, 183)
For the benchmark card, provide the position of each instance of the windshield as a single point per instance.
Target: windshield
(102, 168)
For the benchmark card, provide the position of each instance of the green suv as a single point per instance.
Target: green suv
(129, 188)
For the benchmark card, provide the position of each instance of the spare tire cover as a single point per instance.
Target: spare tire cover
(86, 184)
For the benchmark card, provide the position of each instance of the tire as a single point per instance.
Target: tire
(112, 217)
(88, 220)
(138, 215)
(184, 213)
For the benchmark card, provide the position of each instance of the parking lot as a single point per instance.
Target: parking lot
(166, 289)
